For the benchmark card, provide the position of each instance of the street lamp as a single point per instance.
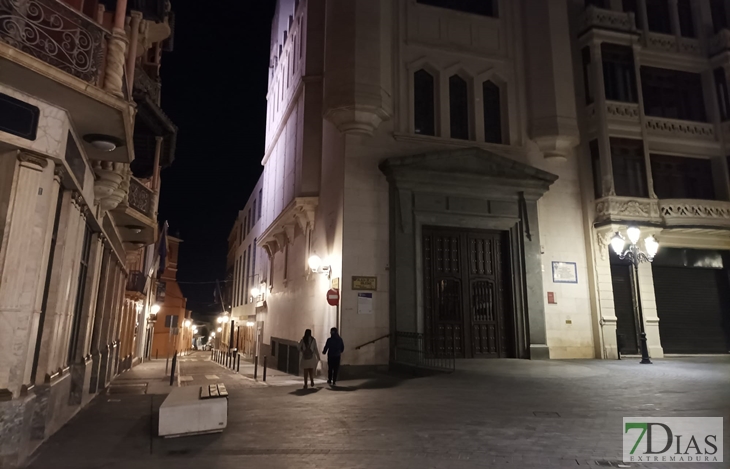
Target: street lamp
(187, 323)
(220, 329)
(635, 255)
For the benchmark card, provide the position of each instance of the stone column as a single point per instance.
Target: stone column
(29, 201)
(535, 297)
(674, 20)
(649, 310)
(604, 143)
(604, 283)
(100, 317)
(642, 121)
(134, 23)
(644, 18)
(116, 52)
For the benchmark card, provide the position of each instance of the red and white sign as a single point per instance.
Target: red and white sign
(333, 297)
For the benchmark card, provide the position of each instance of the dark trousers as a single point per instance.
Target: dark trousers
(333, 368)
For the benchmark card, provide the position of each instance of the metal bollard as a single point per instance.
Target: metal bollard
(238, 367)
(264, 368)
(157, 354)
(172, 369)
(255, 367)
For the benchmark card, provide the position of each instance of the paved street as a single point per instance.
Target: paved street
(489, 414)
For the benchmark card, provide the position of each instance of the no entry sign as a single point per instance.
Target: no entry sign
(333, 297)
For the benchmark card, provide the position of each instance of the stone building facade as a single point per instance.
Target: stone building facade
(458, 168)
(82, 140)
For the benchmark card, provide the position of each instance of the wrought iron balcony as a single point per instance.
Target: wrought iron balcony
(136, 282)
(145, 84)
(141, 198)
(599, 18)
(51, 31)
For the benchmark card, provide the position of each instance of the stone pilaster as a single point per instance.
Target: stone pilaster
(649, 311)
(28, 199)
(100, 317)
(607, 310)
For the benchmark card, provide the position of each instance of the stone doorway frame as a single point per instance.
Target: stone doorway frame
(475, 189)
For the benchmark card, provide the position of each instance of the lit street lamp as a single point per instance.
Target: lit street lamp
(633, 253)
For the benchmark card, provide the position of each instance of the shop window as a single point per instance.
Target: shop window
(424, 106)
(619, 75)
(629, 167)
(673, 94)
(459, 107)
(492, 112)
(477, 7)
(676, 177)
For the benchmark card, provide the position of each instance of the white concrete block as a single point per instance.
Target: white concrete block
(184, 413)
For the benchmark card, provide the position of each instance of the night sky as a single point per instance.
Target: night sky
(214, 89)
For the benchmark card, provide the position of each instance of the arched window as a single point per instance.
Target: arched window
(492, 113)
(459, 107)
(424, 109)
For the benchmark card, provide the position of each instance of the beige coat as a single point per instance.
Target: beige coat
(312, 362)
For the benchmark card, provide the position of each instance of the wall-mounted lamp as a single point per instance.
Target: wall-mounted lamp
(155, 309)
(188, 323)
(317, 266)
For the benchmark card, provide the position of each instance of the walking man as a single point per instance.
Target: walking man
(333, 349)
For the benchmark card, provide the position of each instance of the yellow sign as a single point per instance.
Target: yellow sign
(335, 283)
(364, 283)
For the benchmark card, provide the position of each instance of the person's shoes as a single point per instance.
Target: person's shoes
(305, 385)
(312, 384)
(334, 384)
(329, 381)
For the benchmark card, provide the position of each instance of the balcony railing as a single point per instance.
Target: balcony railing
(673, 128)
(136, 282)
(144, 83)
(688, 212)
(670, 43)
(599, 18)
(622, 111)
(55, 34)
(141, 198)
(665, 212)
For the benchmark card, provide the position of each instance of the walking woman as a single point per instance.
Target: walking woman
(310, 356)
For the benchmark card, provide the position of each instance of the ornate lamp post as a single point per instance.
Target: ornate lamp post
(634, 254)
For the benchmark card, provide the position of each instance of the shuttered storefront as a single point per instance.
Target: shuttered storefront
(693, 309)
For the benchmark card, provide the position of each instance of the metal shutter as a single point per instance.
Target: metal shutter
(692, 308)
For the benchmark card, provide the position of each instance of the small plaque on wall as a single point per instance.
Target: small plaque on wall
(565, 272)
(364, 283)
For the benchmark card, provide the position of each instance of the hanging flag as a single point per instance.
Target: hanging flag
(162, 245)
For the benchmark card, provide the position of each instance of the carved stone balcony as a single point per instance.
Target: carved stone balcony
(670, 43)
(299, 213)
(51, 31)
(695, 213)
(599, 18)
(669, 213)
(719, 43)
(679, 129)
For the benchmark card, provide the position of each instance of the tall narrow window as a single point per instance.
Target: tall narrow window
(586, 54)
(248, 272)
(596, 167)
(234, 289)
(619, 75)
(719, 15)
(250, 221)
(253, 263)
(492, 113)
(261, 198)
(80, 290)
(723, 100)
(629, 167)
(253, 208)
(242, 282)
(459, 107)
(658, 16)
(424, 108)
(686, 19)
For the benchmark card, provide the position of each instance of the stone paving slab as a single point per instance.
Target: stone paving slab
(495, 414)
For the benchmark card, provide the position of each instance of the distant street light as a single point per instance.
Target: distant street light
(636, 256)
(188, 323)
(220, 329)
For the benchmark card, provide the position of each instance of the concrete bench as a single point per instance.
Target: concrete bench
(194, 410)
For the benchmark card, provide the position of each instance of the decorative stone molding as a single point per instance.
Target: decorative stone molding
(116, 55)
(603, 238)
(617, 110)
(109, 177)
(301, 212)
(359, 119)
(626, 209)
(59, 171)
(557, 146)
(32, 161)
(719, 43)
(681, 212)
(673, 128)
(599, 18)
(670, 43)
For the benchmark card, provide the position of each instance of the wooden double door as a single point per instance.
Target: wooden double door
(466, 307)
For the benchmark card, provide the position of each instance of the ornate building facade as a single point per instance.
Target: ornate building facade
(456, 171)
(82, 141)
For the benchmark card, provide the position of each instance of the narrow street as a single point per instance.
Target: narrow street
(489, 414)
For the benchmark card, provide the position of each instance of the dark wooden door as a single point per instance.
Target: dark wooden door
(464, 305)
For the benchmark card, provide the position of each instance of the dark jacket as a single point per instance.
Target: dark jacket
(335, 346)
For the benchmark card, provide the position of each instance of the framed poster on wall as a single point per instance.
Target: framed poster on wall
(565, 272)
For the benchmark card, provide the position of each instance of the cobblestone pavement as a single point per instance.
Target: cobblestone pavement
(489, 414)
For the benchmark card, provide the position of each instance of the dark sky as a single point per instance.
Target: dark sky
(214, 89)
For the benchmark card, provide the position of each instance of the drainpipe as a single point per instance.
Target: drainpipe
(133, 40)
